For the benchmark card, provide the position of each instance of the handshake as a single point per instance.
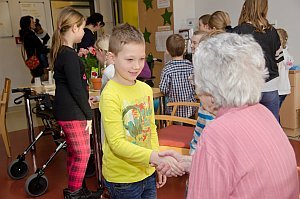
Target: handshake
(170, 163)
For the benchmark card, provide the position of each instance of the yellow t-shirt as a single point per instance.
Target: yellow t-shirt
(130, 133)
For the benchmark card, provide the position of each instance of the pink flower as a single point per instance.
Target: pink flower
(92, 50)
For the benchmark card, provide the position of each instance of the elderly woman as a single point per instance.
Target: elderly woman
(243, 153)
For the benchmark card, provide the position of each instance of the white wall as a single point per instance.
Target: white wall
(183, 10)
(11, 63)
(285, 13)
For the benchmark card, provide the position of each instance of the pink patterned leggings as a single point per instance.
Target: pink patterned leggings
(78, 151)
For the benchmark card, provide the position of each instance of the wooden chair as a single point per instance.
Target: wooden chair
(3, 109)
(175, 106)
(176, 137)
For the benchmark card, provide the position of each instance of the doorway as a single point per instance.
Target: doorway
(85, 7)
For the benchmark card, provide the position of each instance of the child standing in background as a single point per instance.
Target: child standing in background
(104, 58)
(283, 67)
(126, 104)
(71, 108)
(174, 80)
(203, 23)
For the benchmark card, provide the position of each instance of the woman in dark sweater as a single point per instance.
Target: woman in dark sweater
(93, 24)
(32, 44)
(253, 21)
(72, 110)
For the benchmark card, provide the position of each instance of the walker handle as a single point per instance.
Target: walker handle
(21, 90)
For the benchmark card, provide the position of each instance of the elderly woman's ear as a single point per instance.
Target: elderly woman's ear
(208, 103)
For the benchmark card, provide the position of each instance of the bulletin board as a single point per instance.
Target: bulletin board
(156, 21)
(5, 20)
(34, 9)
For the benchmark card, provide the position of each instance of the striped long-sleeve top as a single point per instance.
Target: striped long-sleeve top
(204, 118)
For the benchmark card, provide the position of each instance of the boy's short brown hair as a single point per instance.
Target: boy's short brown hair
(204, 19)
(122, 35)
(175, 45)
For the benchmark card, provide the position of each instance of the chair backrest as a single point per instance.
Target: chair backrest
(170, 119)
(5, 96)
(175, 106)
(6, 89)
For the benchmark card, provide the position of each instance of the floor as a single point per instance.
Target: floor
(56, 171)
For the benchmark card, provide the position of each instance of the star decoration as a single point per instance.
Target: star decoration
(167, 17)
(147, 35)
(148, 4)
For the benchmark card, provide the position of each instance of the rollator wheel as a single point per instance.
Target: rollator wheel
(17, 169)
(36, 185)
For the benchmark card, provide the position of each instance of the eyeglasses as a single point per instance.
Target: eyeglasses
(100, 50)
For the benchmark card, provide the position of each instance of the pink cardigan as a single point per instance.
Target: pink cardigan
(244, 153)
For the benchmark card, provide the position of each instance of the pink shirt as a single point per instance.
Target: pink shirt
(244, 153)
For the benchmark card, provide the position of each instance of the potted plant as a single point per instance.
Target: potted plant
(91, 66)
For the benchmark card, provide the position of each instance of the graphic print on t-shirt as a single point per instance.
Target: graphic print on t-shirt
(136, 120)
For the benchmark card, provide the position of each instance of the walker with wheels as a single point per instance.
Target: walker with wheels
(37, 183)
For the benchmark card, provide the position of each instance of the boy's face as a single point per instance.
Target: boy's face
(129, 63)
(203, 27)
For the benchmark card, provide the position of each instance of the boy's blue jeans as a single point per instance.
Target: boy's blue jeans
(145, 189)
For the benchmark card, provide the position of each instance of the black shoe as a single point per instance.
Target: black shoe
(93, 194)
(81, 193)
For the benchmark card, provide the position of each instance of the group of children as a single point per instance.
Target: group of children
(130, 145)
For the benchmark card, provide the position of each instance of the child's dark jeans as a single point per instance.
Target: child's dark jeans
(145, 189)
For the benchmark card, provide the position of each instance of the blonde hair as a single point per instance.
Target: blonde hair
(283, 36)
(122, 35)
(210, 34)
(255, 12)
(103, 42)
(219, 20)
(67, 18)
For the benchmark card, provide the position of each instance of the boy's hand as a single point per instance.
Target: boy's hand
(168, 164)
(161, 180)
(183, 160)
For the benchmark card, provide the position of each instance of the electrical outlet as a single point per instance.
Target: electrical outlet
(190, 22)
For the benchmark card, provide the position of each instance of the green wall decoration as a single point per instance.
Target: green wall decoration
(147, 35)
(167, 17)
(148, 4)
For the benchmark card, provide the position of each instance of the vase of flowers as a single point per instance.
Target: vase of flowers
(91, 66)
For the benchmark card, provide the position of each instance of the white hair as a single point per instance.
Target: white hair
(231, 68)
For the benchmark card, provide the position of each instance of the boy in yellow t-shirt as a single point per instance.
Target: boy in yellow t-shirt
(130, 146)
